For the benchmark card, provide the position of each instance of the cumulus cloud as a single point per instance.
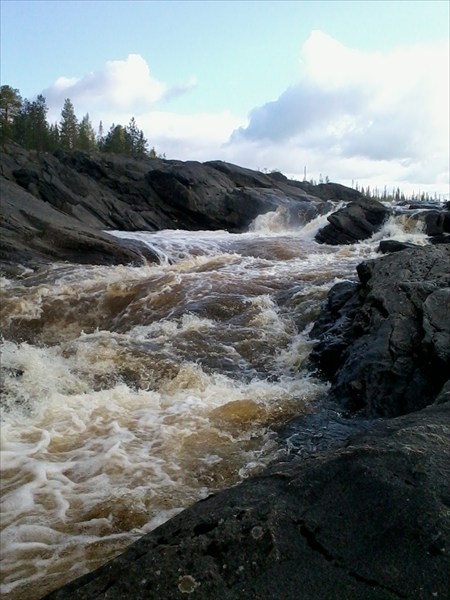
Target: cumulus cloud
(385, 112)
(122, 85)
(378, 118)
(125, 89)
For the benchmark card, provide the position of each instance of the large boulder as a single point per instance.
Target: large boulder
(356, 221)
(368, 521)
(385, 343)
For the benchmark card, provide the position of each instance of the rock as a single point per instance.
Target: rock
(34, 233)
(436, 324)
(357, 221)
(385, 347)
(436, 222)
(332, 328)
(440, 239)
(331, 191)
(433, 218)
(369, 520)
(386, 246)
(74, 197)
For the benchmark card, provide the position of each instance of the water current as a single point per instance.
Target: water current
(129, 393)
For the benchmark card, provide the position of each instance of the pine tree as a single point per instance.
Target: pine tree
(53, 136)
(86, 135)
(100, 136)
(68, 128)
(10, 105)
(137, 140)
(117, 140)
(30, 125)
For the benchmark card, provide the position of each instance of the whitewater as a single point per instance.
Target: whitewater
(129, 393)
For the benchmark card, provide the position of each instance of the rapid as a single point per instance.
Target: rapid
(129, 393)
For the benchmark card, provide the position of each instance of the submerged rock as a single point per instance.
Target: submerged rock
(385, 344)
(369, 520)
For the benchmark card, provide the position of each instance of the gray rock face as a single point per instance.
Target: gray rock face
(58, 205)
(369, 521)
(386, 345)
(357, 221)
(34, 232)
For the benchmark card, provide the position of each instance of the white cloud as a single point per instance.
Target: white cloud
(385, 115)
(379, 118)
(189, 137)
(121, 85)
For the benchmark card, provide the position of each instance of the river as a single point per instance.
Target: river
(129, 393)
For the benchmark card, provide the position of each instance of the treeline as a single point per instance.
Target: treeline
(25, 122)
(396, 195)
(387, 195)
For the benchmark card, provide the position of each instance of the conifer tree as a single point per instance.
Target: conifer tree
(138, 143)
(53, 137)
(100, 136)
(30, 125)
(86, 135)
(117, 140)
(10, 105)
(68, 128)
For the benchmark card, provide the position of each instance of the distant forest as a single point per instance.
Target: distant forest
(25, 122)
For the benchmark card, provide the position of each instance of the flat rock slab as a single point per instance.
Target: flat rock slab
(369, 521)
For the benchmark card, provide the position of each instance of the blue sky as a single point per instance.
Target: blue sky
(355, 90)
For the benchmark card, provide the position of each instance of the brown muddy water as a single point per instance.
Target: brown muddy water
(129, 393)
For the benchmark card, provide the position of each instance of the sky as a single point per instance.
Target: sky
(356, 91)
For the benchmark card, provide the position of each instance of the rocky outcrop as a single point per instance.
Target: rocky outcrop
(367, 521)
(356, 221)
(385, 343)
(34, 232)
(58, 206)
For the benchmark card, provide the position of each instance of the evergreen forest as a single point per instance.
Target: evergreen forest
(25, 122)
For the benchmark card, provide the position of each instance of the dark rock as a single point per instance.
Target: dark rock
(386, 347)
(367, 521)
(436, 222)
(444, 394)
(386, 246)
(332, 327)
(78, 192)
(334, 192)
(34, 232)
(357, 221)
(440, 239)
(436, 324)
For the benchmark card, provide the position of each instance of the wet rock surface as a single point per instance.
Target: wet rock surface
(369, 520)
(385, 342)
(356, 221)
